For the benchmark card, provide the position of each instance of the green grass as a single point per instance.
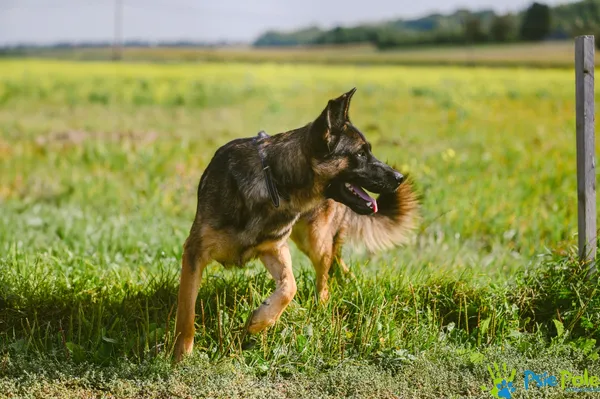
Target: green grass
(555, 54)
(98, 171)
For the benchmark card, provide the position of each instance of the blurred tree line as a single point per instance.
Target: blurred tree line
(538, 22)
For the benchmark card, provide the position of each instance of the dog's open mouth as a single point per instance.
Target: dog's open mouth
(360, 193)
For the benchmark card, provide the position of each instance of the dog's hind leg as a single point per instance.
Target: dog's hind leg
(192, 266)
(278, 262)
(338, 265)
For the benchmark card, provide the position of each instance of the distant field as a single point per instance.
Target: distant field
(99, 166)
(551, 54)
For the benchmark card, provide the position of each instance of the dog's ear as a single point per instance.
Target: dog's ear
(346, 98)
(337, 109)
(334, 117)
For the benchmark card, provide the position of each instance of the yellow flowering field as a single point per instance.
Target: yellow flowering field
(492, 150)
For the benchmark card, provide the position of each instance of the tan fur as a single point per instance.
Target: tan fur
(377, 232)
(325, 171)
(314, 235)
(275, 256)
(278, 262)
(223, 246)
(321, 233)
(188, 291)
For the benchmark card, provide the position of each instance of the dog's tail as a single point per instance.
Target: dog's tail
(391, 225)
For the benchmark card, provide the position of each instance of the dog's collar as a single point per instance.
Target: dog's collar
(271, 187)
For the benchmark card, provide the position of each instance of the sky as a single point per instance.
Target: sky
(49, 21)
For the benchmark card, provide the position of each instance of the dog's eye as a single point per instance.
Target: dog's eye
(361, 154)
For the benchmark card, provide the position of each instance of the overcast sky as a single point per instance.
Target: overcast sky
(47, 21)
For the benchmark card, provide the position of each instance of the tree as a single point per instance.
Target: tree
(536, 23)
(502, 28)
(473, 31)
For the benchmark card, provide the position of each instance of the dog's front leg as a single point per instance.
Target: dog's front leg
(316, 240)
(278, 262)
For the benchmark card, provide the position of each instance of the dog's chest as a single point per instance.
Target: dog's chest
(273, 225)
(260, 236)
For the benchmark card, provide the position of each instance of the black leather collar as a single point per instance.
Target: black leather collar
(273, 193)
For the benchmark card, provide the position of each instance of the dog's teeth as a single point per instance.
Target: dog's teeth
(369, 204)
(348, 185)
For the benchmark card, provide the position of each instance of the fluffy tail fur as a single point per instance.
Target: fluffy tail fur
(391, 225)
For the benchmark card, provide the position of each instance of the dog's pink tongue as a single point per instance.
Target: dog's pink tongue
(362, 194)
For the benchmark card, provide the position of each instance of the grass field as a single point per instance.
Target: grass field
(99, 164)
(552, 54)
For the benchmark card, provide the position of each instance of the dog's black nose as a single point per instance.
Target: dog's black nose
(399, 177)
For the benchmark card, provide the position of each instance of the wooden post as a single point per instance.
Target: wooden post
(586, 163)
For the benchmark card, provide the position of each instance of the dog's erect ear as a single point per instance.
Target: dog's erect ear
(346, 98)
(337, 109)
(334, 117)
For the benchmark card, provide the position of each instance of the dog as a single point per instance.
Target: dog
(307, 184)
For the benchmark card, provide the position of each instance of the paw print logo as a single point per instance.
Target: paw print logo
(505, 389)
(502, 380)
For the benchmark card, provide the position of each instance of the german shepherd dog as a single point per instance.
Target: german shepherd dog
(306, 184)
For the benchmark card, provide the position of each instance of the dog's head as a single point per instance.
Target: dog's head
(344, 159)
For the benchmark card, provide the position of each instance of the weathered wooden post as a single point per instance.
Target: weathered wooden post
(586, 163)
